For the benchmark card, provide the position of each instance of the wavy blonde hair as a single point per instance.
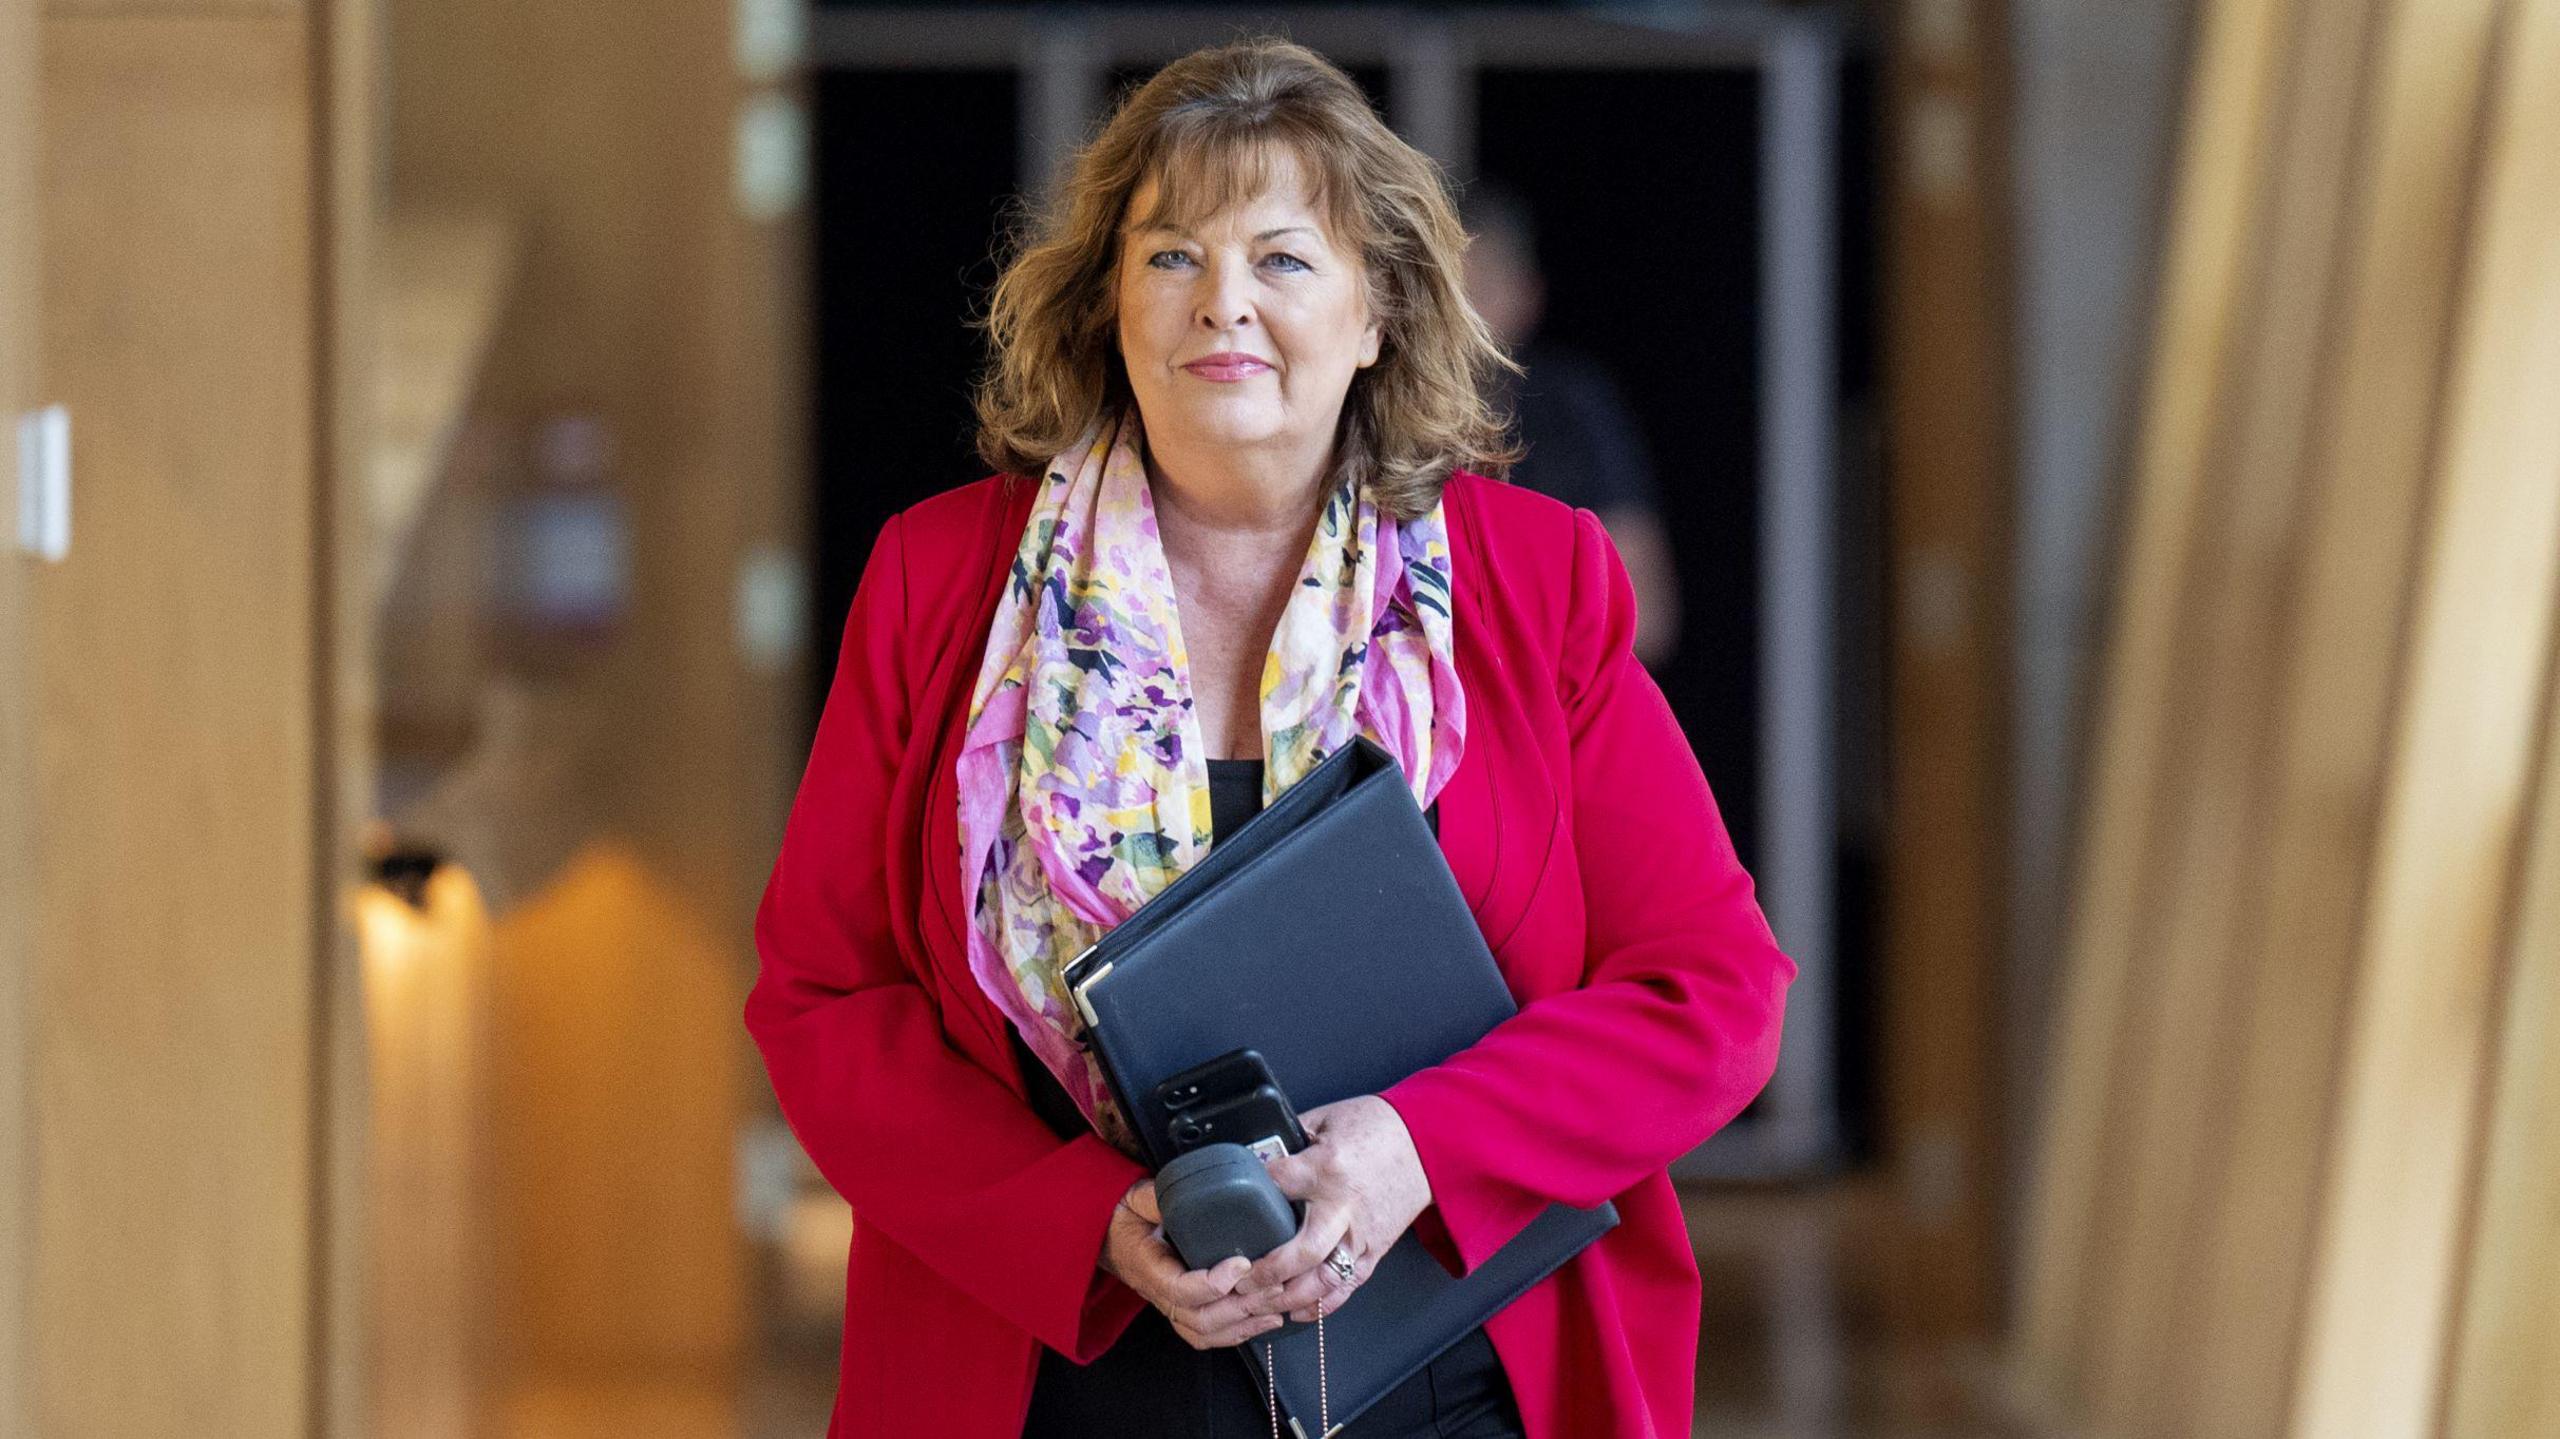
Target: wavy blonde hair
(1205, 128)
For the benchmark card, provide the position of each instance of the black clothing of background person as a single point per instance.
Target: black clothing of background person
(1585, 445)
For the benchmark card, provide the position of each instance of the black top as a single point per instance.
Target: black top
(1152, 1383)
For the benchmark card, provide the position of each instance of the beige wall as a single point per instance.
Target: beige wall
(647, 300)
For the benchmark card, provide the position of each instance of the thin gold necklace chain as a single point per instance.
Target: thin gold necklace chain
(1324, 1388)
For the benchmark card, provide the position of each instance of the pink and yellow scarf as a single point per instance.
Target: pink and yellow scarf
(1084, 786)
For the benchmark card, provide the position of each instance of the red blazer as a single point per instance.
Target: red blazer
(1580, 830)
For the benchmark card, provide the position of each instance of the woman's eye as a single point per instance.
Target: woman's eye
(1168, 259)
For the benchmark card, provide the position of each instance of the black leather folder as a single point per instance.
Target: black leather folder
(1328, 933)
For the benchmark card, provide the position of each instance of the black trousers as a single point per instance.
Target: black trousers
(1151, 1385)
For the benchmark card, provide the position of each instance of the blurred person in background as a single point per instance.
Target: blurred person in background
(1235, 394)
(1584, 445)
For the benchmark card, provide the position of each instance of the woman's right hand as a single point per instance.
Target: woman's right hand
(1203, 1304)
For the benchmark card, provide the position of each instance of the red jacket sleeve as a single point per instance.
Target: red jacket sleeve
(930, 1148)
(1675, 1024)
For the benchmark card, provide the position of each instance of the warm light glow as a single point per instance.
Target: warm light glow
(426, 990)
(396, 937)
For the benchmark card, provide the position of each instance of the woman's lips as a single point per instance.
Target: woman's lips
(1227, 367)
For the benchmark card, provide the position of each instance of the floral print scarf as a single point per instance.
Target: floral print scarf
(1084, 785)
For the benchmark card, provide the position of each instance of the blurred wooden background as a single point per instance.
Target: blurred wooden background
(2306, 1020)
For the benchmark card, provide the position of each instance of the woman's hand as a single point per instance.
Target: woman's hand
(1363, 1183)
(1201, 1303)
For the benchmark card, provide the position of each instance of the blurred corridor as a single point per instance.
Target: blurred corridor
(2088, 471)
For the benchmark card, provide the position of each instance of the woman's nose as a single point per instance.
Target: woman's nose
(1221, 313)
(1224, 303)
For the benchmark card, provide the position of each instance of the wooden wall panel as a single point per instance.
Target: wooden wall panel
(346, 103)
(174, 1074)
(2502, 1378)
(427, 977)
(18, 390)
(178, 9)
(2238, 1269)
(2200, 865)
(2201, 293)
(2463, 743)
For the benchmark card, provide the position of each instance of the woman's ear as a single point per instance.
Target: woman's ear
(1370, 339)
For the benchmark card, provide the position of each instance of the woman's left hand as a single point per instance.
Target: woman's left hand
(1363, 1183)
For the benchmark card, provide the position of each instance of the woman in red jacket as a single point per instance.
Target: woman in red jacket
(1237, 357)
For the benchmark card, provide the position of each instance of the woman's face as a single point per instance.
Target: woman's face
(1246, 332)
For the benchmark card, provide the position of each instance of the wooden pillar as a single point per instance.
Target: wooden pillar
(175, 703)
(18, 392)
(2236, 1280)
(2500, 1378)
(2299, 895)
(347, 216)
(1949, 478)
(2482, 620)
(2204, 851)
(2201, 291)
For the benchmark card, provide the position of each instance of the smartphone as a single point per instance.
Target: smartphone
(1231, 1073)
(1260, 1119)
(1234, 1099)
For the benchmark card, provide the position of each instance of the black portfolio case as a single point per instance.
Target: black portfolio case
(1327, 933)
